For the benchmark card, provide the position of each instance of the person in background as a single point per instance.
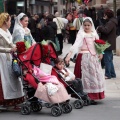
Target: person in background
(21, 32)
(108, 31)
(39, 35)
(77, 23)
(32, 24)
(118, 19)
(60, 25)
(100, 12)
(12, 24)
(52, 27)
(72, 31)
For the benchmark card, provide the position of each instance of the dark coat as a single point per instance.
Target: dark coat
(39, 35)
(32, 25)
(118, 27)
(108, 32)
(52, 30)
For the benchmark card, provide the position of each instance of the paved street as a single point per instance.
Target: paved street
(107, 109)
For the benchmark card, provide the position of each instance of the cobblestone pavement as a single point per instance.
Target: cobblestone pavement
(112, 85)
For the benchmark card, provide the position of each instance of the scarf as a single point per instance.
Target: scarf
(6, 35)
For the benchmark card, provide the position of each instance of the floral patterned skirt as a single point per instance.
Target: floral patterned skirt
(88, 68)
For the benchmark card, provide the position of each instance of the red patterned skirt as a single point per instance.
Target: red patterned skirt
(9, 102)
(78, 74)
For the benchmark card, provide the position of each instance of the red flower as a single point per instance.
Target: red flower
(20, 47)
(100, 41)
(45, 49)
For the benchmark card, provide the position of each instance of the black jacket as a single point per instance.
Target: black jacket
(50, 31)
(52, 27)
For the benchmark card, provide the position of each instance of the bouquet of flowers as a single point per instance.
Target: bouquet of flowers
(20, 47)
(101, 45)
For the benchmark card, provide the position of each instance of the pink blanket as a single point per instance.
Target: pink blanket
(43, 77)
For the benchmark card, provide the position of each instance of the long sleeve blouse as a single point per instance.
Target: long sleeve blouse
(84, 41)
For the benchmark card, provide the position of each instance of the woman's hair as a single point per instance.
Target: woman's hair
(87, 20)
(50, 17)
(109, 13)
(58, 60)
(4, 17)
(23, 17)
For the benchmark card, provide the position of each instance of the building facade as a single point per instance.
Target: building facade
(110, 4)
(98, 3)
(51, 6)
(32, 6)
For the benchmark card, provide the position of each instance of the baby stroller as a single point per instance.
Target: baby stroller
(33, 56)
(82, 99)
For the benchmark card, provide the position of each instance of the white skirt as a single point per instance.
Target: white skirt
(92, 74)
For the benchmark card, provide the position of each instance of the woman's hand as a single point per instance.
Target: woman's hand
(100, 56)
(67, 60)
(13, 49)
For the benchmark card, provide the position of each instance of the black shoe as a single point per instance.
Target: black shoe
(93, 102)
(59, 53)
(73, 60)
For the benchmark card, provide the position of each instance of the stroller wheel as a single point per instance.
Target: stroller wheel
(36, 106)
(67, 108)
(87, 101)
(78, 104)
(25, 109)
(56, 111)
(48, 105)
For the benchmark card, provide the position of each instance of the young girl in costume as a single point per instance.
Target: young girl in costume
(88, 66)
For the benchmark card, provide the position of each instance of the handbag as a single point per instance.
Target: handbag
(16, 68)
(61, 27)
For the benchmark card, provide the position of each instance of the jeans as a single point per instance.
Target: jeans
(109, 67)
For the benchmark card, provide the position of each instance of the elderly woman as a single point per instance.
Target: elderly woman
(108, 33)
(21, 32)
(11, 92)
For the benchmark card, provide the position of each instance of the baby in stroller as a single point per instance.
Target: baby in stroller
(69, 77)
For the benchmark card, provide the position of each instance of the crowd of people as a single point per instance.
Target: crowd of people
(80, 28)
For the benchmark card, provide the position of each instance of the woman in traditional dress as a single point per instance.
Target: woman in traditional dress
(11, 91)
(21, 32)
(88, 66)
